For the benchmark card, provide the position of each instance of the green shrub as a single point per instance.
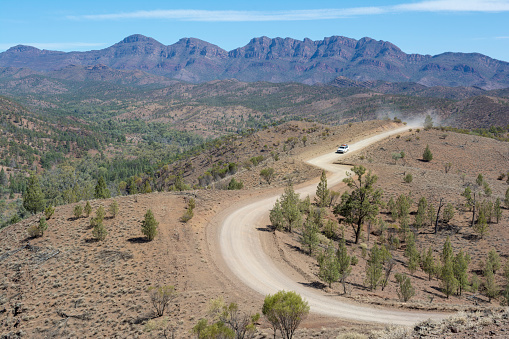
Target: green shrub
(49, 211)
(114, 208)
(408, 178)
(427, 155)
(235, 185)
(99, 232)
(405, 289)
(149, 226)
(78, 211)
(188, 215)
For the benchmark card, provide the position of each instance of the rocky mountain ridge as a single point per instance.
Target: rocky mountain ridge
(276, 60)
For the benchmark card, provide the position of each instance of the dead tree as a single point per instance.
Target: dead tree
(440, 205)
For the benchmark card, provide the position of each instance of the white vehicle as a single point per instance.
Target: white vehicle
(343, 149)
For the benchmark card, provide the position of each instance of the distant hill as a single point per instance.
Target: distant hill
(276, 60)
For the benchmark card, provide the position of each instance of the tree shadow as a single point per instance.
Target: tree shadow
(296, 248)
(265, 229)
(138, 240)
(434, 294)
(91, 240)
(140, 319)
(315, 284)
(470, 236)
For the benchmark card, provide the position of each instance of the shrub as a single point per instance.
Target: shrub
(427, 155)
(99, 217)
(149, 226)
(428, 122)
(268, 174)
(285, 311)
(114, 208)
(191, 204)
(256, 160)
(161, 296)
(448, 213)
(33, 231)
(99, 232)
(188, 215)
(43, 225)
(408, 178)
(87, 209)
(405, 289)
(235, 185)
(49, 211)
(78, 210)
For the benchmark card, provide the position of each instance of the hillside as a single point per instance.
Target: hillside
(276, 60)
(65, 283)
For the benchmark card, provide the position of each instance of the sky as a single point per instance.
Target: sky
(422, 27)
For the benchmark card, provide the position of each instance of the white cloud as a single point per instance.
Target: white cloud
(54, 45)
(456, 6)
(311, 14)
(231, 16)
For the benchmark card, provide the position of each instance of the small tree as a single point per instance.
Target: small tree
(460, 267)
(33, 198)
(217, 330)
(99, 232)
(309, 237)
(493, 260)
(235, 185)
(290, 208)
(285, 311)
(149, 226)
(268, 174)
(78, 211)
(448, 213)
(344, 261)
(99, 217)
(467, 194)
(411, 253)
(243, 325)
(420, 217)
(160, 297)
(276, 216)
(362, 203)
(49, 211)
(408, 178)
(329, 266)
(114, 208)
(88, 209)
(405, 289)
(481, 226)
(374, 268)
(428, 263)
(498, 209)
(448, 280)
(101, 191)
(43, 225)
(427, 155)
(428, 122)
(322, 198)
(490, 285)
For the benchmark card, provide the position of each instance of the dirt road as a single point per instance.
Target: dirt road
(243, 254)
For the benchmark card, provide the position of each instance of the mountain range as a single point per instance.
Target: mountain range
(266, 59)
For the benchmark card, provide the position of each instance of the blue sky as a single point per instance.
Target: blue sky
(423, 27)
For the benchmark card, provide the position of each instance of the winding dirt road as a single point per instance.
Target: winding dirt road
(242, 251)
